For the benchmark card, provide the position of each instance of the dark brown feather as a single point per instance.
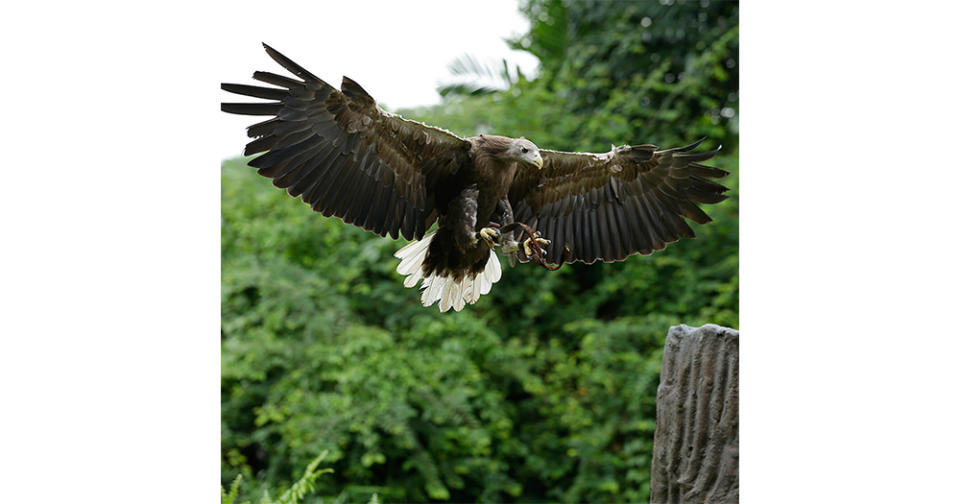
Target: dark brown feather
(255, 91)
(252, 108)
(277, 80)
(356, 93)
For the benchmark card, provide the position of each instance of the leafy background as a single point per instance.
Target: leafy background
(545, 390)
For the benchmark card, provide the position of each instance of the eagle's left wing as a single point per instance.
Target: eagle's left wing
(609, 206)
(344, 156)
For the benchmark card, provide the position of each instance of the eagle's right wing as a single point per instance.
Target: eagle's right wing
(343, 155)
(608, 206)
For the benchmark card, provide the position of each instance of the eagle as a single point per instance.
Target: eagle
(346, 157)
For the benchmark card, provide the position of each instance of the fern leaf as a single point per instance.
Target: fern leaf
(226, 498)
(306, 483)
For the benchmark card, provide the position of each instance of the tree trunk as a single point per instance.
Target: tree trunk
(696, 444)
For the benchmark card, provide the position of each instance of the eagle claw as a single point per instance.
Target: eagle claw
(491, 235)
(528, 248)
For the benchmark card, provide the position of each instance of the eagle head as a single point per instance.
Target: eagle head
(524, 151)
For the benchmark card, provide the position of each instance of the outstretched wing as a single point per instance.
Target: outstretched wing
(609, 206)
(343, 155)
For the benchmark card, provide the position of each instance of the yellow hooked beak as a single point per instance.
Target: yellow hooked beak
(538, 162)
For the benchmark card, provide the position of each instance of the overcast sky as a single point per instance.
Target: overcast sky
(398, 51)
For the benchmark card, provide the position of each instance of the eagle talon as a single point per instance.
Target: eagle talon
(491, 235)
(528, 244)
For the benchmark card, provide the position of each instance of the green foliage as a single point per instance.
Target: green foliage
(229, 498)
(293, 495)
(466, 67)
(545, 390)
(614, 72)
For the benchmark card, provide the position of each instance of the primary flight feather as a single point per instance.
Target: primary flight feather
(344, 156)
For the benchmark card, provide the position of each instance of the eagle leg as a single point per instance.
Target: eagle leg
(533, 246)
(502, 217)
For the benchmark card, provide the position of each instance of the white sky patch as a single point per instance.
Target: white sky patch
(398, 51)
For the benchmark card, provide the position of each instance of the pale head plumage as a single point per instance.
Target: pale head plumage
(525, 151)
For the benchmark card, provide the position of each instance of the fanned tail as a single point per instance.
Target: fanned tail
(449, 292)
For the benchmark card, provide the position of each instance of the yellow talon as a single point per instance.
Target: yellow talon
(527, 247)
(490, 235)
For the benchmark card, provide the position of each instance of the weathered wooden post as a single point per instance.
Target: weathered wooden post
(696, 444)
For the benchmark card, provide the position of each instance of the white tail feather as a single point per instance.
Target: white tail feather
(412, 280)
(461, 299)
(476, 290)
(485, 283)
(493, 271)
(450, 293)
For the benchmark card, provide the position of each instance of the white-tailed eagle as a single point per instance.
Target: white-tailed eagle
(346, 157)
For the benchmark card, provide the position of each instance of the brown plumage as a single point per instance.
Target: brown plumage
(346, 157)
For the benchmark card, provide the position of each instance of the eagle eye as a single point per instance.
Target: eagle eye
(523, 150)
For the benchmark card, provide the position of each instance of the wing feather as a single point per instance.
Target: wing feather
(633, 199)
(256, 91)
(343, 155)
(559, 235)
